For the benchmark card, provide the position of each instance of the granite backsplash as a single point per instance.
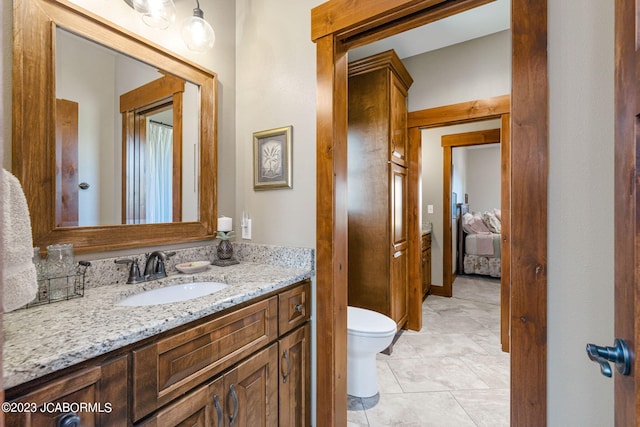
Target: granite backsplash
(106, 272)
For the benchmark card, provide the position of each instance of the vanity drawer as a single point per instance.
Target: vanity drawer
(295, 307)
(172, 366)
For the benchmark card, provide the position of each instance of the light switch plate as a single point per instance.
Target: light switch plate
(430, 209)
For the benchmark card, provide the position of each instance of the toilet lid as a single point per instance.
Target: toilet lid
(367, 322)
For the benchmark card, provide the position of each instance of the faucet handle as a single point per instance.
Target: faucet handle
(134, 270)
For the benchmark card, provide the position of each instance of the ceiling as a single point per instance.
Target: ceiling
(478, 22)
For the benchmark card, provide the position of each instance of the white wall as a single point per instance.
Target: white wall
(580, 267)
(483, 176)
(471, 70)
(84, 75)
(277, 87)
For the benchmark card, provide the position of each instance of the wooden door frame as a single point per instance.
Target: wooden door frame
(497, 107)
(449, 142)
(626, 220)
(339, 25)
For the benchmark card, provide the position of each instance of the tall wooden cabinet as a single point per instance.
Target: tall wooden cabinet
(377, 185)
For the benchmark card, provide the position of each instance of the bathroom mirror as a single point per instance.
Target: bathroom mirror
(175, 93)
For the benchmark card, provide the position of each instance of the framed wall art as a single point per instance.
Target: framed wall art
(272, 166)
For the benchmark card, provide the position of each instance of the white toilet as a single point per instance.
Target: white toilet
(368, 333)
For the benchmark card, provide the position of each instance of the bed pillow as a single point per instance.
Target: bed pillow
(492, 222)
(473, 223)
(498, 213)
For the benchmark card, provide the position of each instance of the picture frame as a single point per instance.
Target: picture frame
(272, 154)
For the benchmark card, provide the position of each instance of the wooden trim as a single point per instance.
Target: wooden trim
(414, 206)
(529, 115)
(505, 232)
(481, 137)
(361, 22)
(176, 208)
(447, 232)
(627, 100)
(466, 139)
(331, 226)
(529, 181)
(463, 112)
(151, 92)
(334, 17)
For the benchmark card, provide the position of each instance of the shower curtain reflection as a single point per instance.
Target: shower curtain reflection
(159, 172)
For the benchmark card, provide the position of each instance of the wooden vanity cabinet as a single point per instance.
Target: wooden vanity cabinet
(250, 365)
(168, 368)
(245, 396)
(377, 190)
(426, 264)
(102, 390)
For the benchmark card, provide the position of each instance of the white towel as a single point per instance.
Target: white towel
(19, 273)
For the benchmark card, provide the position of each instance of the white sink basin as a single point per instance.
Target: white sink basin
(174, 293)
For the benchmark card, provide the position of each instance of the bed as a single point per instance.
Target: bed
(478, 243)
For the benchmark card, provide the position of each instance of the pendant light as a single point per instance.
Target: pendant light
(158, 14)
(196, 32)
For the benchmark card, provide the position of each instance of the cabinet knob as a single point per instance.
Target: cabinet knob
(298, 308)
(69, 420)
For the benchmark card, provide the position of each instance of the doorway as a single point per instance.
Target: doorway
(334, 32)
(468, 112)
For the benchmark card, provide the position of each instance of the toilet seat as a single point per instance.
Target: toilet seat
(368, 323)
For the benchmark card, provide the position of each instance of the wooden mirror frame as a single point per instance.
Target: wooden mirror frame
(33, 138)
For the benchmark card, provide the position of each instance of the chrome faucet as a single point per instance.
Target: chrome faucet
(154, 267)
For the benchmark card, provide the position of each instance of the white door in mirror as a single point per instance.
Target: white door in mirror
(174, 293)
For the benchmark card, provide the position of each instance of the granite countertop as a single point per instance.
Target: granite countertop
(44, 339)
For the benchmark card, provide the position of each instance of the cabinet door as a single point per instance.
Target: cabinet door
(251, 391)
(398, 126)
(95, 396)
(193, 410)
(295, 378)
(172, 366)
(399, 215)
(399, 287)
(398, 284)
(426, 272)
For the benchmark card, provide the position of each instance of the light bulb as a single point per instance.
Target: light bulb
(158, 14)
(197, 33)
(139, 5)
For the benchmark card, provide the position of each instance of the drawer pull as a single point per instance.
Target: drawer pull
(70, 419)
(234, 396)
(298, 308)
(286, 374)
(216, 403)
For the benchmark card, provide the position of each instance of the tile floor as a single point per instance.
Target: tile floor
(451, 373)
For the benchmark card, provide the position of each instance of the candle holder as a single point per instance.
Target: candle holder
(224, 250)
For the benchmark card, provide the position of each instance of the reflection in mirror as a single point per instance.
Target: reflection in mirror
(113, 110)
(97, 121)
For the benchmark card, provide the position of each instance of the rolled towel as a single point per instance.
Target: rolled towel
(18, 271)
